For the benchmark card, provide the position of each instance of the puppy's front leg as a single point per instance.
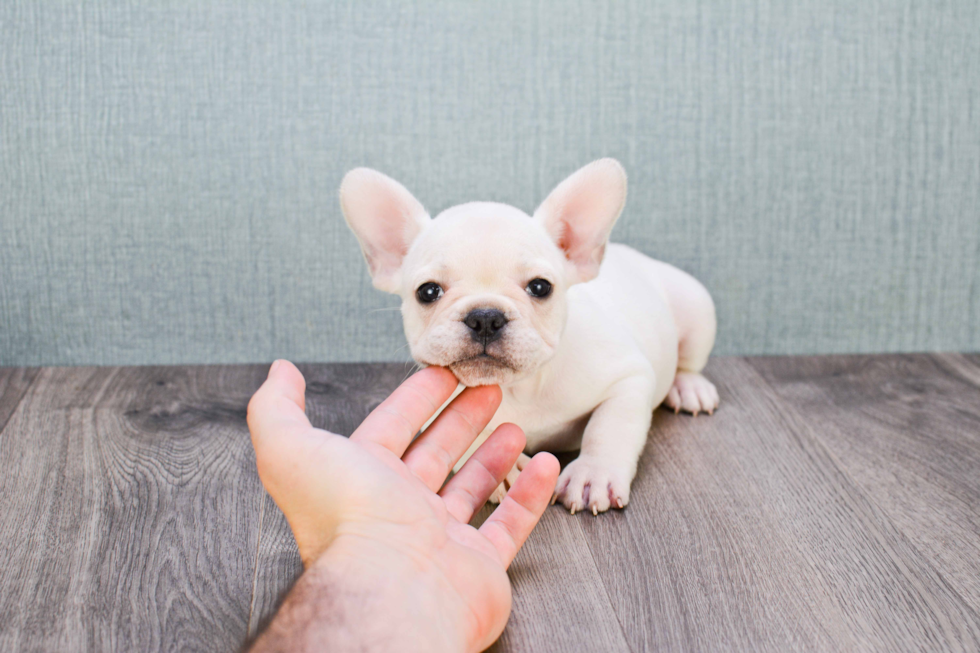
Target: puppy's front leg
(611, 445)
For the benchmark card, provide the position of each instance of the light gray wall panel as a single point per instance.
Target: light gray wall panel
(168, 174)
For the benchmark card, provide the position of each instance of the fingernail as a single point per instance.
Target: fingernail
(275, 365)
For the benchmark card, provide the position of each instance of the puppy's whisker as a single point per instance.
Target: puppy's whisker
(399, 349)
(412, 370)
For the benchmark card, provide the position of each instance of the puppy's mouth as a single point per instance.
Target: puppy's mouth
(482, 369)
(482, 358)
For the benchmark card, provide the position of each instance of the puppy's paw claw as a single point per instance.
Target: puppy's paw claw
(498, 495)
(590, 484)
(693, 394)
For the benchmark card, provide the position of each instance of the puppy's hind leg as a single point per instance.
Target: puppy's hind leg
(692, 393)
(694, 314)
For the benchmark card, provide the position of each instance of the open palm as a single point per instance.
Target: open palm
(379, 494)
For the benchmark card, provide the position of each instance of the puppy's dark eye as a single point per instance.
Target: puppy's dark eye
(539, 288)
(429, 292)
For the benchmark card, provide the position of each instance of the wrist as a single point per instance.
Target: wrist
(346, 602)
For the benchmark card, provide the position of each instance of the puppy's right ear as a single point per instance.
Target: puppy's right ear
(386, 218)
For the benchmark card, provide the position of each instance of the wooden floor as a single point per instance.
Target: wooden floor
(831, 503)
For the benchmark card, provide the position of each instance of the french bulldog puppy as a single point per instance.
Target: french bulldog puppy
(584, 337)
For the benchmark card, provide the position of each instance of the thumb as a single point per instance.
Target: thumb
(278, 407)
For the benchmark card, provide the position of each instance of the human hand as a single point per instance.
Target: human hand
(372, 509)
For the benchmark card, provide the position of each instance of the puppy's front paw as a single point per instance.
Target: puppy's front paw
(692, 393)
(511, 478)
(592, 483)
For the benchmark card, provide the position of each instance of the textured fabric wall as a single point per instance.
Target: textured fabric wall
(168, 176)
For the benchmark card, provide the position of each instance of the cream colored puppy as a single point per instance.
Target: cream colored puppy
(584, 337)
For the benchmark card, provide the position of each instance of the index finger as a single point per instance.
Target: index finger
(395, 422)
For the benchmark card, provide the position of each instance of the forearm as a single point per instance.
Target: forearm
(341, 605)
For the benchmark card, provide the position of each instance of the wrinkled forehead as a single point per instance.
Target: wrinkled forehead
(481, 242)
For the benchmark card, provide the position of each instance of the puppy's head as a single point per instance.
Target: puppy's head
(484, 285)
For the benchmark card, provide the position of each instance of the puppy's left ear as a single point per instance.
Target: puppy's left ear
(386, 218)
(581, 211)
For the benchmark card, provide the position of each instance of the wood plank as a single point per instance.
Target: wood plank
(277, 567)
(340, 395)
(129, 510)
(14, 382)
(746, 532)
(895, 598)
(830, 504)
(965, 366)
(698, 560)
(906, 428)
(560, 603)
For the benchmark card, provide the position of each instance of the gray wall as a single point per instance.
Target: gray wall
(168, 176)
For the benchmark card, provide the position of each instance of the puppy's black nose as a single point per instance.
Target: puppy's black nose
(486, 324)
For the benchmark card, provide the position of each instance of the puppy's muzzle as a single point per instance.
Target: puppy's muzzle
(485, 324)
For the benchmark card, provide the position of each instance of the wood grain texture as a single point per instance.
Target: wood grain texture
(907, 431)
(14, 382)
(698, 561)
(830, 504)
(757, 538)
(560, 601)
(278, 566)
(129, 510)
